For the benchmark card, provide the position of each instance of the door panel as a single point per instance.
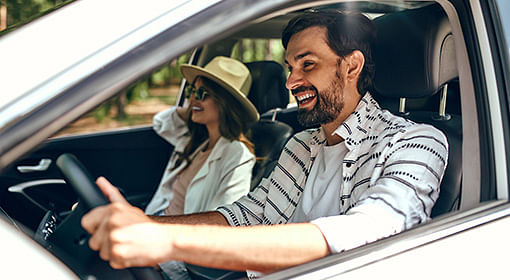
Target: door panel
(132, 159)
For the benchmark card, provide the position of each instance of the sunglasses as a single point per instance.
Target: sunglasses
(199, 93)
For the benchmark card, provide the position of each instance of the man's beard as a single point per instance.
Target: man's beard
(328, 105)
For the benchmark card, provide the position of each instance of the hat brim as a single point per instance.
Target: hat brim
(191, 72)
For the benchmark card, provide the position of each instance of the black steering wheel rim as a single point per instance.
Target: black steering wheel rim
(81, 181)
(77, 176)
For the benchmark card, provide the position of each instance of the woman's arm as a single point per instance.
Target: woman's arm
(170, 125)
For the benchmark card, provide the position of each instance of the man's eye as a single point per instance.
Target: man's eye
(307, 64)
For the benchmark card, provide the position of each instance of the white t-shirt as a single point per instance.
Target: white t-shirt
(322, 189)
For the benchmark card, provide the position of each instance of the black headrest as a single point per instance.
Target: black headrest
(268, 89)
(269, 137)
(414, 53)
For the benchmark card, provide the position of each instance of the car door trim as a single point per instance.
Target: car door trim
(440, 228)
(498, 140)
(20, 188)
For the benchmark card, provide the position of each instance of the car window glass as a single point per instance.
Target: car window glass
(135, 105)
(249, 50)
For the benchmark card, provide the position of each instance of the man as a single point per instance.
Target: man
(363, 175)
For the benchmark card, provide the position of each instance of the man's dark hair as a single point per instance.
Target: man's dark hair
(346, 32)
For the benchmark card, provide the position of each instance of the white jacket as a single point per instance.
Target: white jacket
(222, 179)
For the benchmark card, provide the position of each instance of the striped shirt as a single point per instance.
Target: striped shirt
(391, 177)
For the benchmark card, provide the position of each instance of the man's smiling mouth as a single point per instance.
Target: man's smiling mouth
(305, 97)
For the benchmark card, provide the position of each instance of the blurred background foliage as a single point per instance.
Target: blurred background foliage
(15, 13)
(248, 50)
(162, 85)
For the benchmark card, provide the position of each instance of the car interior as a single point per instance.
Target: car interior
(416, 77)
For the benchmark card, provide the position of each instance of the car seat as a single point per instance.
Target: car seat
(416, 66)
(268, 92)
(268, 89)
(269, 138)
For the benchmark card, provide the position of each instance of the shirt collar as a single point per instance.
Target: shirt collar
(217, 151)
(355, 127)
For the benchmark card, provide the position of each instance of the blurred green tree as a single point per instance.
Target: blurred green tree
(20, 12)
(248, 50)
(165, 76)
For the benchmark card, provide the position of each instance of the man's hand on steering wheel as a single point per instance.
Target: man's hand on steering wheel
(114, 224)
(116, 229)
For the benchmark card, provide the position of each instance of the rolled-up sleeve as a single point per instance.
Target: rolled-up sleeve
(171, 127)
(248, 210)
(362, 225)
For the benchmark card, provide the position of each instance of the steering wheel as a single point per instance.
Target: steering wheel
(90, 196)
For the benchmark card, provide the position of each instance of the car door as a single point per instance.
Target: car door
(132, 158)
(470, 243)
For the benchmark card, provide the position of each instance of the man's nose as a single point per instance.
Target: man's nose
(294, 80)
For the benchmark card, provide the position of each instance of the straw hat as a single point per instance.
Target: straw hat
(230, 74)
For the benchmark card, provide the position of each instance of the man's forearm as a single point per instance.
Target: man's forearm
(208, 218)
(203, 239)
(259, 248)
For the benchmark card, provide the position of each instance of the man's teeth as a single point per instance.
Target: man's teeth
(196, 108)
(306, 96)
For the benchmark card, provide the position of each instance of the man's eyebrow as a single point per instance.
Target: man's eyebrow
(299, 56)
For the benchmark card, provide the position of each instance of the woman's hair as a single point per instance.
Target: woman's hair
(231, 125)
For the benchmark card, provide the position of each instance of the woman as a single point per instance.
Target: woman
(212, 160)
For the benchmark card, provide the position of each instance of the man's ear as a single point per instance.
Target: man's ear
(355, 62)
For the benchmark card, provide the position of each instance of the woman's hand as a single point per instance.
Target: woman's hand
(183, 111)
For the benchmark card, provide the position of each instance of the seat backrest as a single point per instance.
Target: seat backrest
(269, 138)
(415, 60)
(268, 89)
